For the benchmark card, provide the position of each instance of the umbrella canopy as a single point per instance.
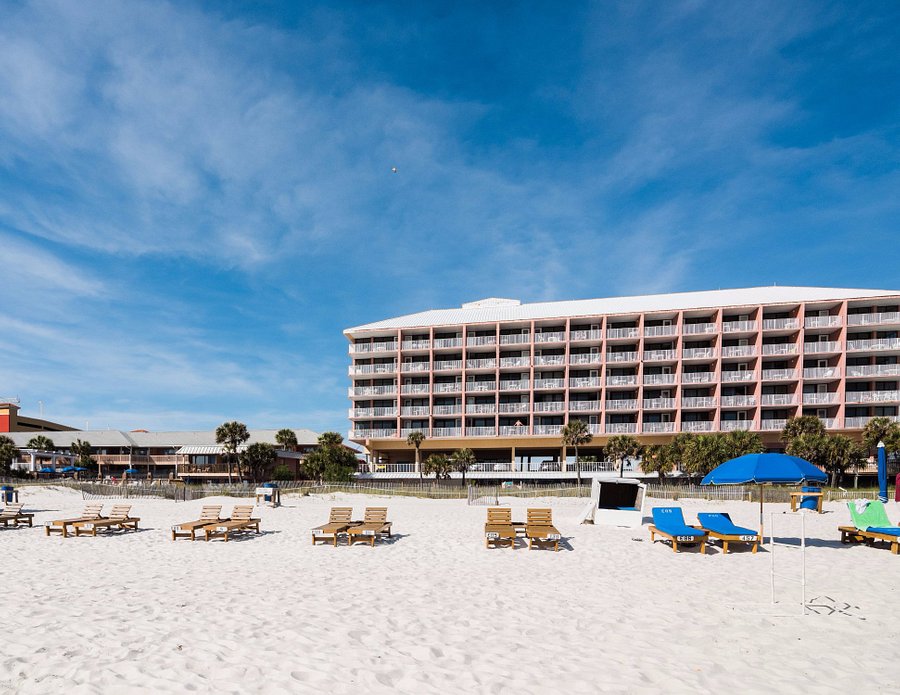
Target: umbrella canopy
(70, 469)
(882, 473)
(47, 470)
(79, 468)
(131, 470)
(764, 468)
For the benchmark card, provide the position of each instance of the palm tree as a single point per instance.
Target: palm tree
(415, 439)
(881, 429)
(739, 442)
(805, 424)
(575, 434)
(840, 454)
(231, 435)
(40, 443)
(657, 458)
(438, 464)
(287, 439)
(621, 447)
(8, 453)
(703, 453)
(462, 460)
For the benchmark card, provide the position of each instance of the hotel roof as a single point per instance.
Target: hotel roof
(490, 310)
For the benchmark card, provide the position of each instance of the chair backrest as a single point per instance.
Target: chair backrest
(499, 515)
(120, 511)
(375, 515)
(875, 515)
(12, 509)
(340, 515)
(715, 521)
(210, 512)
(92, 511)
(540, 517)
(242, 513)
(668, 515)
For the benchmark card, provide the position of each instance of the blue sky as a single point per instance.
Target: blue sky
(196, 199)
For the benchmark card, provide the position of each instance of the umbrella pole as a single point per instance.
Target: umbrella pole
(762, 536)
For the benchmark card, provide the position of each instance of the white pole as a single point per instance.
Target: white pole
(803, 564)
(772, 552)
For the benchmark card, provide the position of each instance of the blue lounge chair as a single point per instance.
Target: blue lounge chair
(668, 522)
(719, 525)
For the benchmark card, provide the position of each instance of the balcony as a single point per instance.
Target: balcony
(443, 343)
(481, 408)
(448, 365)
(584, 405)
(657, 427)
(580, 336)
(542, 384)
(659, 379)
(515, 339)
(830, 423)
(779, 349)
(476, 340)
(362, 369)
(486, 363)
(552, 337)
(618, 333)
(622, 380)
(853, 423)
(660, 331)
(416, 344)
(621, 357)
(359, 413)
(738, 375)
(513, 407)
(887, 317)
(660, 355)
(698, 377)
(548, 430)
(819, 398)
(549, 407)
(548, 360)
(872, 396)
(448, 387)
(373, 434)
(878, 344)
(780, 324)
(586, 467)
(823, 372)
(476, 386)
(621, 428)
(415, 411)
(772, 425)
(446, 432)
(515, 362)
(822, 322)
(513, 430)
(698, 328)
(416, 367)
(733, 425)
(781, 399)
(356, 391)
(873, 370)
(779, 374)
(659, 404)
(821, 346)
(584, 382)
(406, 431)
(515, 385)
(698, 353)
(739, 351)
(408, 389)
(447, 410)
(738, 401)
(366, 348)
(739, 326)
(697, 426)
(585, 358)
(393, 468)
(698, 402)
(622, 404)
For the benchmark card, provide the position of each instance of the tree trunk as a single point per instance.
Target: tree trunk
(577, 467)
(419, 465)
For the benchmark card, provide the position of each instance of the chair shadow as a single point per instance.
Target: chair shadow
(381, 540)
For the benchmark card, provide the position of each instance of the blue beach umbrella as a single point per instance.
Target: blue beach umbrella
(764, 469)
(69, 469)
(79, 469)
(131, 471)
(882, 473)
(47, 470)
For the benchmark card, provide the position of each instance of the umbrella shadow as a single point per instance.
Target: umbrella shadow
(812, 542)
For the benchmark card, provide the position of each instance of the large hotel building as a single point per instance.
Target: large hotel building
(502, 377)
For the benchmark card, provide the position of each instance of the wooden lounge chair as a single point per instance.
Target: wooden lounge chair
(374, 524)
(12, 514)
(241, 521)
(499, 527)
(873, 524)
(339, 520)
(668, 522)
(539, 529)
(208, 515)
(720, 526)
(61, 526)
(851, 534)
(118, 518)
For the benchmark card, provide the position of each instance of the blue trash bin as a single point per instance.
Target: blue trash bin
(810, 502)
(269, 496)
(6, 493)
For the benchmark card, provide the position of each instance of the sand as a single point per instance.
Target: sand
(433, 610)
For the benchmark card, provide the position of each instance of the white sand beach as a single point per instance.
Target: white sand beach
(432, 610)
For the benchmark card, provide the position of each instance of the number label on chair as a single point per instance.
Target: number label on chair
(684, 539)
(493, 535)
(748, 538)
(553, 536)
(368, 532)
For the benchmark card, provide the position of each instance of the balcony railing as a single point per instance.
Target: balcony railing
(582, 382)
(878, 344)
(513, 407)
(515, 362)
(481, 408)
(738, 401)
(660, 331)
(698, 328)
(830, 423)
(621, 427)
(616, 333)
(873, 370)
(585, 358)
(575, 336)
(406, 431)
(447, 410)
(822, 321)
(441, 343)
(416, 366)
(657, 427)
(416, 344)
(663, 379)
(549, 407)
(854, 423)
(415, 411)
(659, 404)
(738, 375)
(373, 391)
(873, 319)
(739, 326)
(779, 374)
(622, 380)
(823, 372)
(621, 357)
(446, 432)
(779, 349)
(813, 347)
(481, 431)
(772, 425)
(407, 389)
(373, 434)
(551, 337)
(358, 348)
(515, 385)
(739, 351)
(515, 339)
(819, 398)
(697, 426)
(547, 429)
(373, 412)
(359, 369)
(448, 387)
(549, 383)
(698, 402)
(486, 363)
(394, 468)
(698, 353)
(697, 377)
(732, 425)
(584, 405)
(476, 340)
(513, 430)
(872, 396)
(660, 355)
(778, 399)
(622, 404)
(780, 324)
(447, 365)
(475, 386)
(545, 360)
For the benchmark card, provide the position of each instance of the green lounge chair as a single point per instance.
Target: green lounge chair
(873, 525)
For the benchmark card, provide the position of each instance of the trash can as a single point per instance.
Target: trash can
(7, 494)
(810, 502)
(269, 496)
(269, 493)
